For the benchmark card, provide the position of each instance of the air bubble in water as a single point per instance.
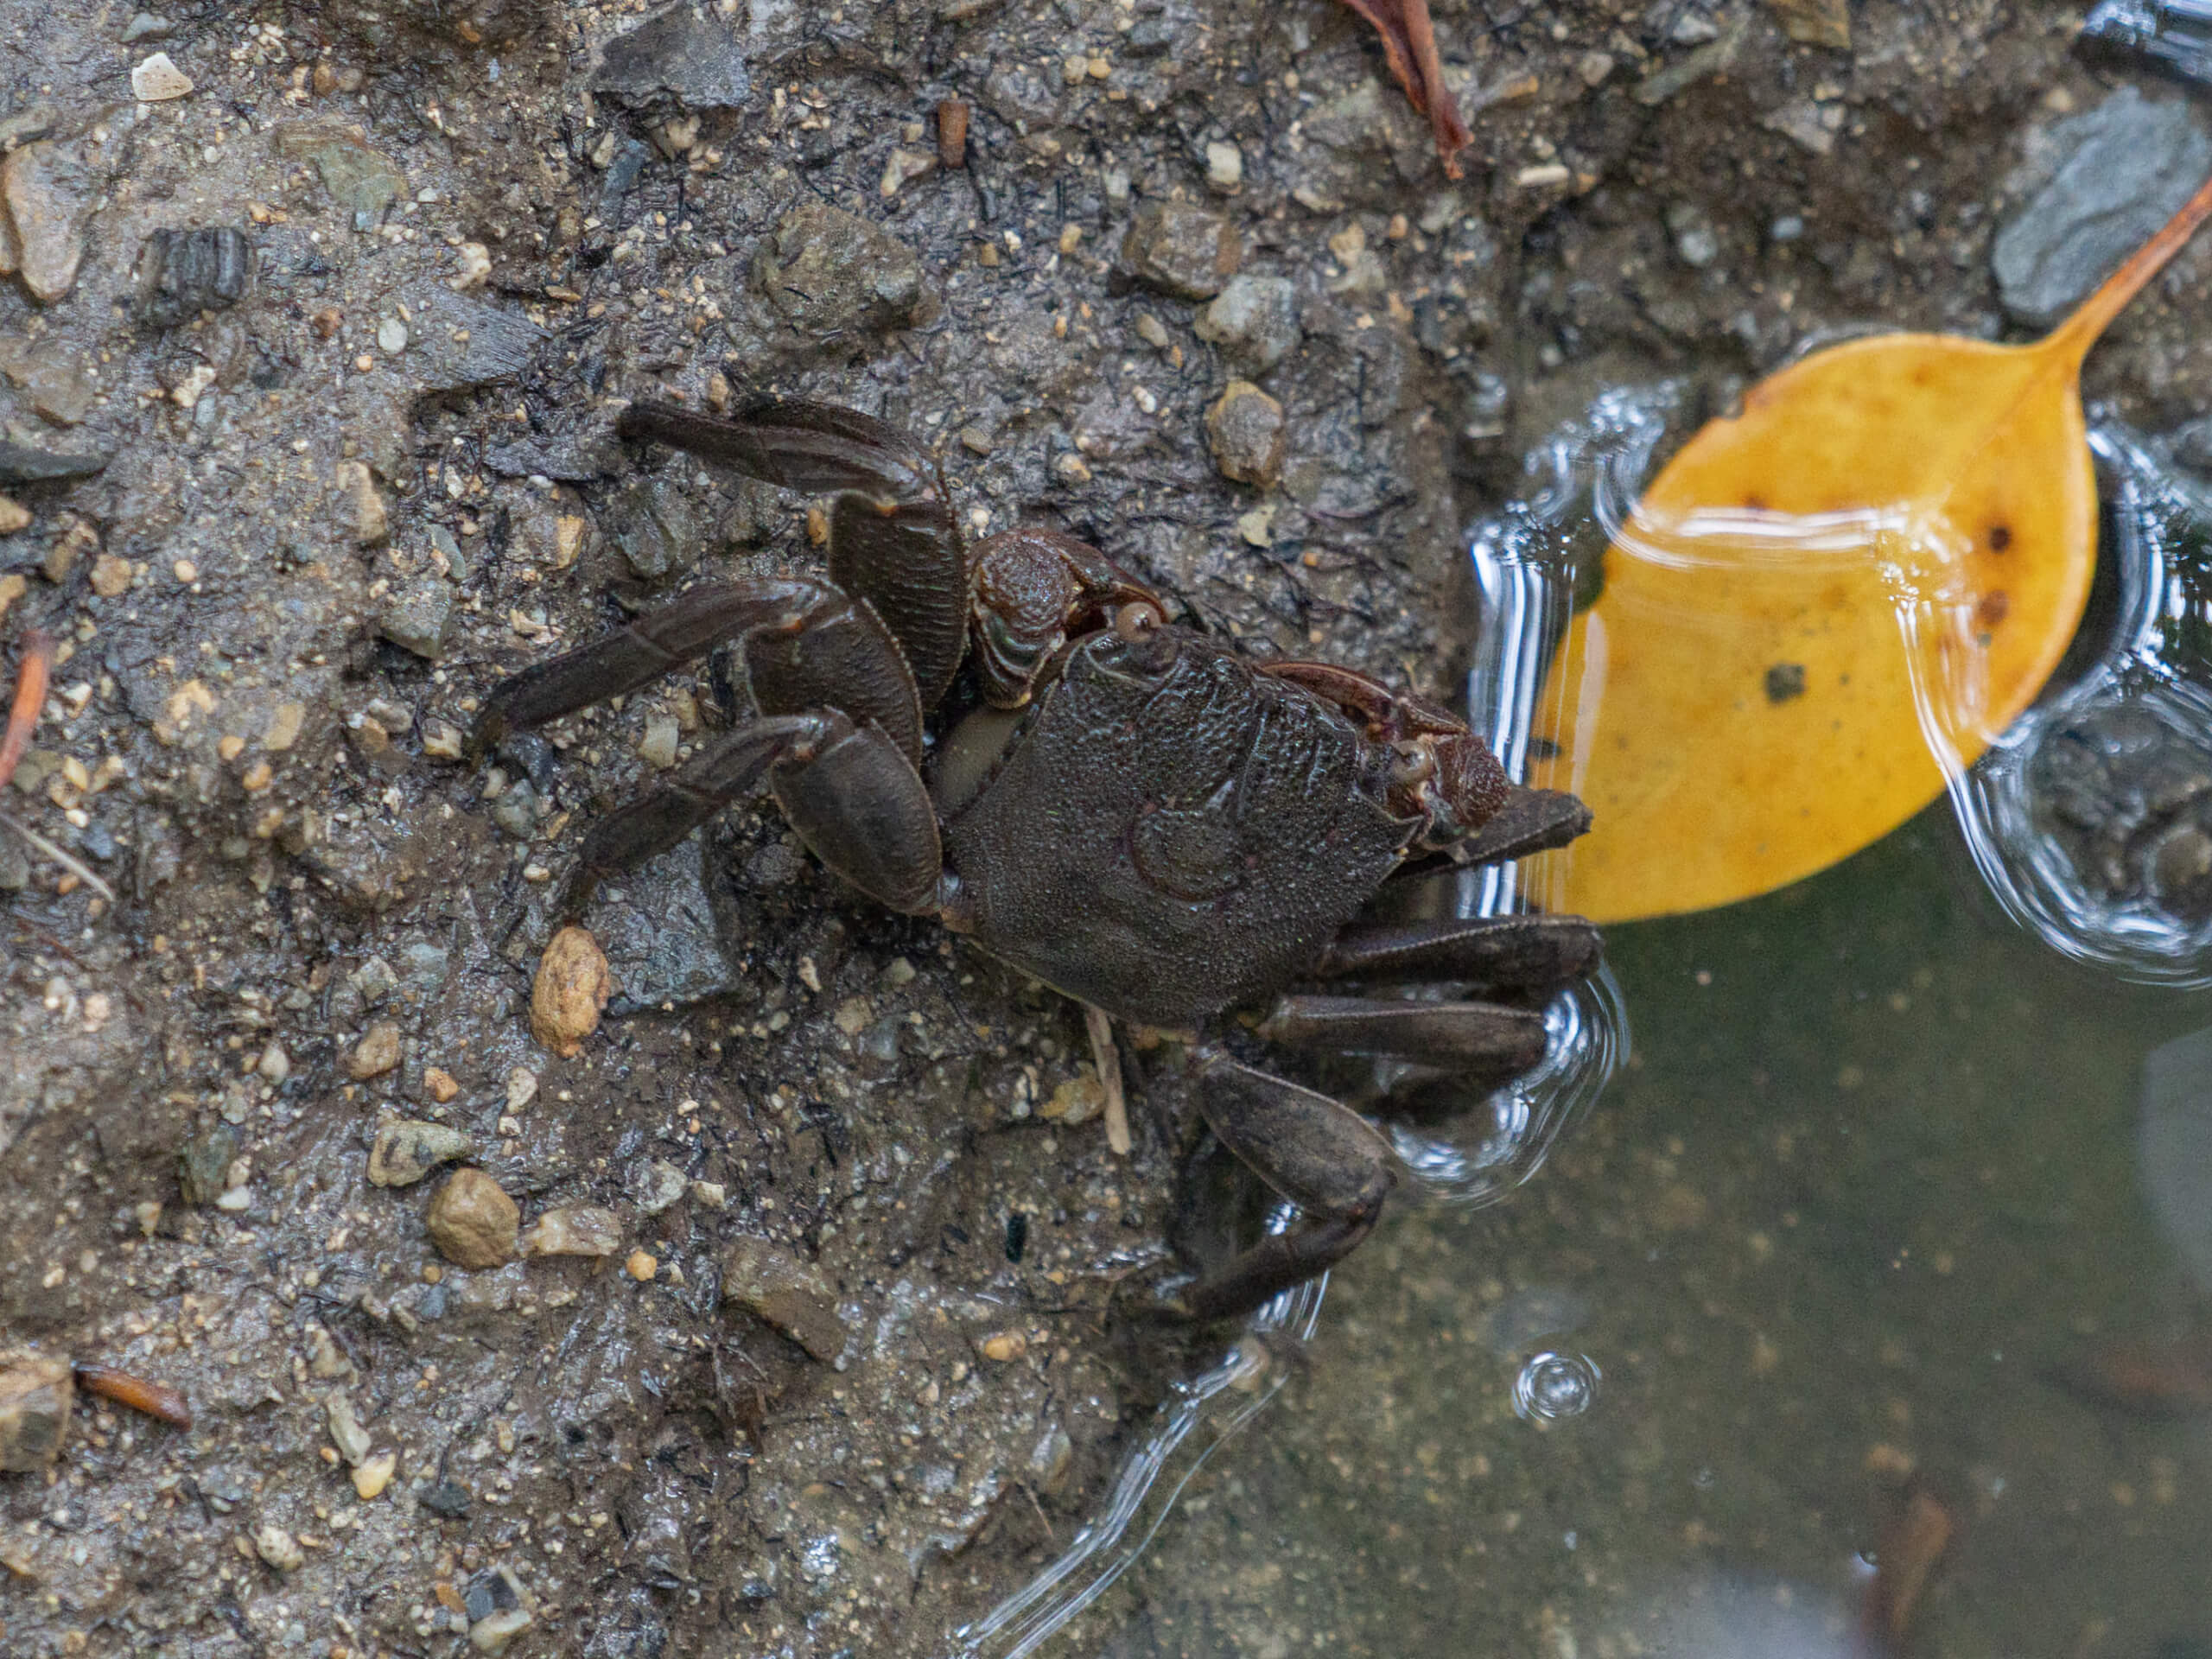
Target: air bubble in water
(1552, 1386)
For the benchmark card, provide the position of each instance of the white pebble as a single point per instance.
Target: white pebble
(157, 80)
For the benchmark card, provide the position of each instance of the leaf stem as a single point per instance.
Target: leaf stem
(2072, 338)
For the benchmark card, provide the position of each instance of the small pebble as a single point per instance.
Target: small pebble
(472, 1220)
(376, 1053)
(522, 1088)
(572, 987)
(1248, 434)
(658, 747)
(1004, 1346)
(157, 80)
(1225, 167)
(392, 336)
(1182, 250)
(374, 1475)
(278, 1548)
(641, 1266)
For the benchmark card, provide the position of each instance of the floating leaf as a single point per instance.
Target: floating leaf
(1827, 602)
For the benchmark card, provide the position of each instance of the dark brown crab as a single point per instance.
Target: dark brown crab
(1127, 809)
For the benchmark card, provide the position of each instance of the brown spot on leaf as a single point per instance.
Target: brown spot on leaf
(2000, 538)
(1785, 681)
(1995, 606)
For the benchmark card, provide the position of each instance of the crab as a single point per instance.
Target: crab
(1016, 739)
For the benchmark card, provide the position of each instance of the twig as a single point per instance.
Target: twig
(46, 849)
(1409, 45)
(30, 697)
(1107, 1059)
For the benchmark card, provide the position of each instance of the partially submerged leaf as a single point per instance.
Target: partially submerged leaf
(1410, 44)
(1825, 603)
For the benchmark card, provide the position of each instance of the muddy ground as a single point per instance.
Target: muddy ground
(302, 523)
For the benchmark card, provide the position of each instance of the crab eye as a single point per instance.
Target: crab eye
(1136, 619)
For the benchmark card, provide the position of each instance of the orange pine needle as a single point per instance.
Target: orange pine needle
(30, 697)
(155, 1399)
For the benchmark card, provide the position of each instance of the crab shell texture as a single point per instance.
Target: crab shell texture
(1164, 832)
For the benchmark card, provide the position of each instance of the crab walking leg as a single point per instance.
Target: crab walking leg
(1107, 1059)
(1530, 954)
(678, 633)
(693, 792)
(1531, 821)
(1468, 1036)
(1322, 1156)
(893, 540)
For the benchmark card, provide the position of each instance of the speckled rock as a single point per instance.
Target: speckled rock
(34, 1393)
(48, 192)
(407, 1149)
(472, 1221)
(203, 1165)
(1248, 432)
(417, 616)
(827, 272)
(1254, 320)
(376, 1053)
(1182, 250)
(690, 54)
(769, 1281)
(359, 179)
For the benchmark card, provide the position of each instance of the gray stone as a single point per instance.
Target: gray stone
(418, 617)
(516, 810)
(691, 53)
(20, 463)
(653, 524)
(1254, 320)
(1181, 249)
(407, 1150)
(2128, 165)
(360, 180)
(829, 272)
(460, 343)
(790, 1294)
(145, 26)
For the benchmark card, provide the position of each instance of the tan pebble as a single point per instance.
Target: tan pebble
(573, 986)
(1004, 1346)
(641, 1266)
(284, 723)
(472, 1220)
(376, 1053)
(112, 574)
(374, 1475)
(11, 589)
(575, 1230)
(15, 517)
(440, 1084)
(230, 745)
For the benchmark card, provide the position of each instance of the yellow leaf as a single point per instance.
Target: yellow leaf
(1824, 602)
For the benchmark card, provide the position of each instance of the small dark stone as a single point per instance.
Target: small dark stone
(467, 343)
(688, 53)
(1785, 681)
(182, 273)
(448, 1498)
(21, 464)
(829, 272)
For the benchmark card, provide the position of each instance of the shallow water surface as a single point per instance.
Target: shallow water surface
(1868, 1182)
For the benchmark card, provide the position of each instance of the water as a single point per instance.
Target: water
(1873, 1176)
